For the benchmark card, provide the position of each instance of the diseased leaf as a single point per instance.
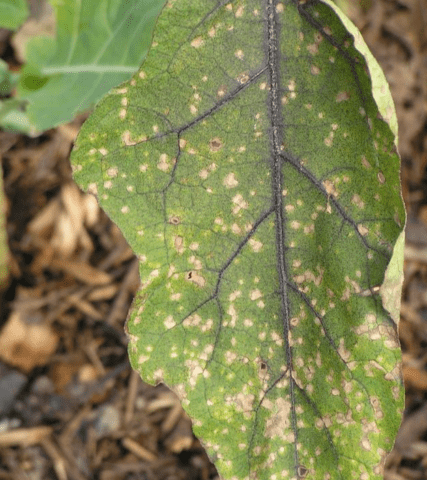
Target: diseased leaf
(98, 45)
(252, 172)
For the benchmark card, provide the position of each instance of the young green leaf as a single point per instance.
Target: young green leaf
(98, 45)
(252, 172)
(13, 13)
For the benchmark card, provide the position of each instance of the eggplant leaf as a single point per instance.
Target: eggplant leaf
(251, 165)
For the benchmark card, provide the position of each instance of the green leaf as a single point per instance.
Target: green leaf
(98, 45)
(251, 170)
(8, 79)
(13, 118)
(13, 13)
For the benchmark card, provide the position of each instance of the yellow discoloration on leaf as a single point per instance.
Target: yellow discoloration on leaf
(329, 139)
(230, 181)
(234, 295)
(365, 162)
(344, 353)
(240, 203)
(126, 137)
(255, 244)
(255, 294)
(239, 11)
(242, 77)
(230, 357)
(163, 164)
(330, 188)
(113, 172)
(279, 422)
(192, 320)
(169, 322)
(313, 48)
(314, 70)
(195, 370)
(221, 91)
(179, 244)
(197, 42)
(204, 174)
(236, 229)
(362, 229)
(233, 314)
(342, 97)
(195, 277)
(195, 262)
(356, 200)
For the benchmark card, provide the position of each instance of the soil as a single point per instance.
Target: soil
(70, 405)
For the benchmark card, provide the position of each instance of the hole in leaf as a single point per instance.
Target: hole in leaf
(302, 471)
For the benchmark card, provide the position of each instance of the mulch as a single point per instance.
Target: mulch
(71, 408)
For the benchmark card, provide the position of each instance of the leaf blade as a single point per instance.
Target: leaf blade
(98, 46)
(13, 13)
(248, 196)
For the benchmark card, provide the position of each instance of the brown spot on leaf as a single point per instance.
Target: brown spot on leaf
(215, 144)
(221, 91)
(242, 78)
(174, 220)
(365, 162)
(197, 42)
(302, 471)
(342, 96)
(179, 244)
(195, 277)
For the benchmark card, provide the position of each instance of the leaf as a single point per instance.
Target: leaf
(252, 172)
(12, 117)
(98, 46)
(8, 79)
(13, 13)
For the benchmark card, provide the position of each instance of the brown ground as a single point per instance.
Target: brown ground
(70, 406)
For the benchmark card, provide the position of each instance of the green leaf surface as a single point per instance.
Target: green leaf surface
(252, 172)
(98, 45)
(8, 79)
(13, 118)
(13, 13)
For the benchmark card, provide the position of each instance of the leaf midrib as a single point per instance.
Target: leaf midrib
(276, 139)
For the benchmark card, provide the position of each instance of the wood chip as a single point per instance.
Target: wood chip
(82, 271)
(24, 436)
(138, 450)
